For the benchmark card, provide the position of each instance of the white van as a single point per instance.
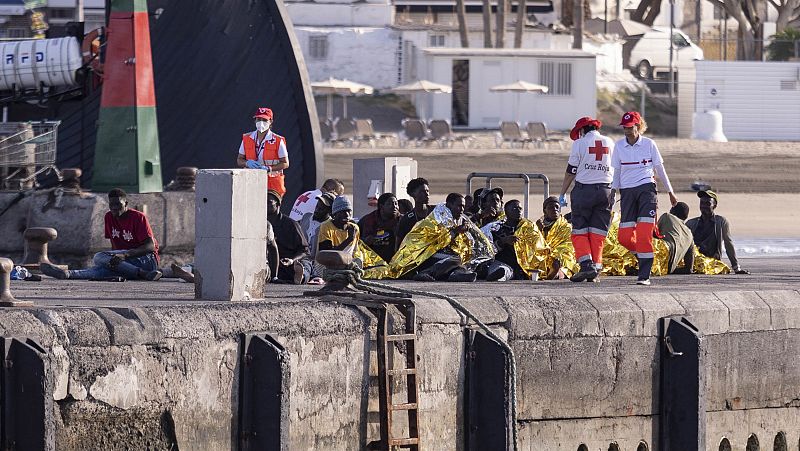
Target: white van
(650, 54)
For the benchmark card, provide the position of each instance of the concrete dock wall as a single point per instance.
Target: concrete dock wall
(588, 370)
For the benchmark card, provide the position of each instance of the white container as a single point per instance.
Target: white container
(28, 64)
(707, 126)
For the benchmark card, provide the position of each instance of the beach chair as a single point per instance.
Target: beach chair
(326, 130)
(346, 132)
(416, 131)
(442, 133)
(537, 132)
(511, 133)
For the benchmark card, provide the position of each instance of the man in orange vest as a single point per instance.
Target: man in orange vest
(263, 149)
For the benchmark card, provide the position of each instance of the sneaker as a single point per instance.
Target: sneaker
(584, 274)
(462, 276)
(53, 271)
(153, 275)
(496, 275)
(645, 282)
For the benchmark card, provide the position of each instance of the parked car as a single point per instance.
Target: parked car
(650, 54)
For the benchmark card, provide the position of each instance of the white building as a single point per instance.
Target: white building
(758, 100)
(570, 75)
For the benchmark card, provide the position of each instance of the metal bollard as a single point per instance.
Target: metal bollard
(335, 260)
(71, 179)
(6, 298)
(36, 239)
(185, 177)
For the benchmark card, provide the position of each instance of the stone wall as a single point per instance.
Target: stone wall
(587, 369)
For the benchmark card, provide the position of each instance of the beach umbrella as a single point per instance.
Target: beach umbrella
(422, 86)
(343, 88)
(519, 87)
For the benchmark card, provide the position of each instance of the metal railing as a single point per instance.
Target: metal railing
(489, 176)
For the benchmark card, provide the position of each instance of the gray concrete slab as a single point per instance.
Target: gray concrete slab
(768, 274)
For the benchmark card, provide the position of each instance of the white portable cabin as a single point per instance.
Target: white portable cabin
(570, 75)
(758, 100)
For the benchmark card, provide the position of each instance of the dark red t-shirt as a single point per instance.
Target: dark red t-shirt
(129, 230)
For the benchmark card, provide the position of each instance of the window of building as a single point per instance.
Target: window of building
(436, 40)
(15, 33)
(557, 77)
(318, 47)
(61, 13)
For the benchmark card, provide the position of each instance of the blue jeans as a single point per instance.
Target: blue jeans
(128, 269)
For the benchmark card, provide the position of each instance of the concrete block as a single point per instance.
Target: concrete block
(14, 221)
(619, 315)
(748, 312)
(488, 310)
(654, 306)
(24, 323)
(183, 322)
(596, 433)
(178, 220)
(230, 232)
(393, 174)
(586, 377)
(765, 424)
(753, 370)
(551, 316)
(434, 310)
(231, 203)
(527, 320)
(77, 218)
(784, 307)
(130, 326)
(77, 327)
(705, 311)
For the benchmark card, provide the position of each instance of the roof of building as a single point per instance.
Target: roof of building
(458, 51)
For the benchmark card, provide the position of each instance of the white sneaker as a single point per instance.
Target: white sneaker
(643, 282)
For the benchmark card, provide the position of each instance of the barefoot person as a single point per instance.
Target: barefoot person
(636, 162)
(134, 253)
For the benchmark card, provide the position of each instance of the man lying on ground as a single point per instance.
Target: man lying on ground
(134, 253)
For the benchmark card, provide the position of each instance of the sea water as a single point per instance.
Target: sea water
(766, 247)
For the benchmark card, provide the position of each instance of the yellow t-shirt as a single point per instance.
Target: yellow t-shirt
(329, 232)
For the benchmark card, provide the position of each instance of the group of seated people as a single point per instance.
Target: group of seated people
(466, 238)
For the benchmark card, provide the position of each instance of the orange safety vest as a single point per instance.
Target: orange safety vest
(270, 157)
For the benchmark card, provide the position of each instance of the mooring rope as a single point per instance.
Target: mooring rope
(352, 275)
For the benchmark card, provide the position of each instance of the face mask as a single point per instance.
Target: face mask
(262, 126)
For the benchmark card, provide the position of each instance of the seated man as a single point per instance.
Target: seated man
(339, 233)
(306, 203)
(678, 239)
(711, 231)
(134, 253)
(419, 191)
(558, 236)
(291, 241)
(518, 242)
(378, 229)
(491, 204)
(444, 246)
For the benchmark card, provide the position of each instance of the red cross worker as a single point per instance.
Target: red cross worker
(265, 150)
(636, 163)
(589, 167)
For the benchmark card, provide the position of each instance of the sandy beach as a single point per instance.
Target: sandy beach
(756, 181)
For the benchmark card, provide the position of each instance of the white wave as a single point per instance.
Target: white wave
(766, 247)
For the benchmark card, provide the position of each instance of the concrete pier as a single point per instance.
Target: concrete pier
(134, 365)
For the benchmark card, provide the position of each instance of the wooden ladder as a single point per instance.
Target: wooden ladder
(378, 306)
(387, 373)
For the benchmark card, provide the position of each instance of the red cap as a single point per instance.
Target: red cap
(630, 119)
(574, 134)
(264, 113)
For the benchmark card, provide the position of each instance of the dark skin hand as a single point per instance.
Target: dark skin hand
(513, 211)
(341, 220)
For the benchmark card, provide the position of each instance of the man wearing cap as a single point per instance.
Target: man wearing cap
(265, 150)
(589, 166)
(339, 233)
(491, 204)
(636, 161)
(711, 231)
(291, 241)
